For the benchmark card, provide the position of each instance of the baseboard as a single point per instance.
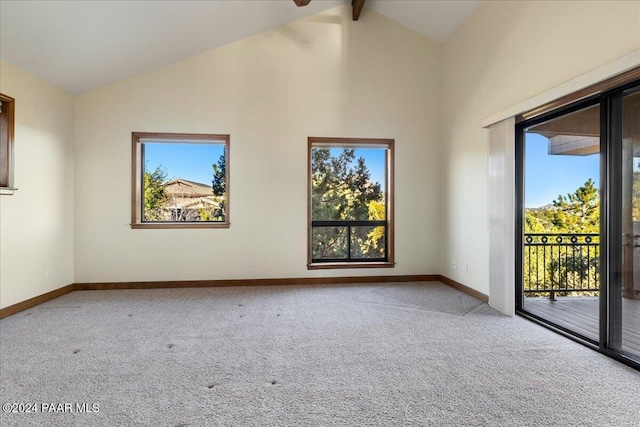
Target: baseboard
(463, 288)
(281, 282)
(32, 302)
(253, 282)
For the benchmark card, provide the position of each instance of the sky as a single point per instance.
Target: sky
(373, 158)
(192, 162)
(547, 176)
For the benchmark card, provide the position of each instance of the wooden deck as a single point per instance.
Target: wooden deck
(580, 314)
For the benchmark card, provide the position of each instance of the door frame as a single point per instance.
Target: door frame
(610, 314)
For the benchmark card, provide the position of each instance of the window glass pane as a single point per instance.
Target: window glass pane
(561, 250)
(184, 182)
(368, 242)
(625, 309)
(329, 243)
(349, 202)
(348, 184)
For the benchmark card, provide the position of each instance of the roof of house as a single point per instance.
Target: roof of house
(179, 187)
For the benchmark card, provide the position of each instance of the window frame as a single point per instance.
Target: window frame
(7, 146)
(388, 144)
(137, 140)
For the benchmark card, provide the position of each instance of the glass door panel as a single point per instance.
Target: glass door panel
(561, 236)
(628, 318)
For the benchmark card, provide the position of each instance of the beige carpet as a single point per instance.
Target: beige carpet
(353, 355)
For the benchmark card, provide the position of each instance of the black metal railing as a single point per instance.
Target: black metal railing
(349, 241)
(561, 264)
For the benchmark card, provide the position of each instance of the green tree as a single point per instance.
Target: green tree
(209, 214)
(535, 221)
(545, 265)
(579, 212)
(375, 243)
(219, 185)
(155, 196)
(341, 189)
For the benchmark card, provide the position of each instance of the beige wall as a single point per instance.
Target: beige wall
(36, 223)
(323, 76)
(506, 53)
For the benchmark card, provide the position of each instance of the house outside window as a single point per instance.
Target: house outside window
(350, 203)
(180, 180)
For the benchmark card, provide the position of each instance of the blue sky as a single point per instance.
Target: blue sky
(547, 176)
(193, 161)
(373, 158)
(188, 161)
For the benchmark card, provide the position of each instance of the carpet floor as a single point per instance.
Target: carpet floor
(406, 354)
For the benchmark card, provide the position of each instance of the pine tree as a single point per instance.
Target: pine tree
(579, 212)
(340, 190)
(219, 185)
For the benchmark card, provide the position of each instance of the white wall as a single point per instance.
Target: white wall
(505, 53)
(322, 76)
(36, 223)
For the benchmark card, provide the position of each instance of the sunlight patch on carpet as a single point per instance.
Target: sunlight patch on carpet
(432, 296)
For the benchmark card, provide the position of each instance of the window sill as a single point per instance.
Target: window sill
(336, 265)
(178, 225)
(6, 191)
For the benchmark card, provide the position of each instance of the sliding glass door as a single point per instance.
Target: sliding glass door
(624, 298)
(561, 227)
(578, 221)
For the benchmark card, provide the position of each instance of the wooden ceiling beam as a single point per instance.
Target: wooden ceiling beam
(357, 8)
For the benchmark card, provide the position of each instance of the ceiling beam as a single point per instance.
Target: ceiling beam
(357, 8)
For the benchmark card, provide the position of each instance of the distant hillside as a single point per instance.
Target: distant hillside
(548, 207)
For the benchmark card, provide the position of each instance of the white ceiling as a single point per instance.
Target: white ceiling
(79, 46)
(436, 19)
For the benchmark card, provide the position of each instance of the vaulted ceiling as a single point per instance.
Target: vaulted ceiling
(79, 46)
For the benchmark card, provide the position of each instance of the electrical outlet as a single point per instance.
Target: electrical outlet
(454, 264)
(252, 263)
(466, 268)
(47, 273)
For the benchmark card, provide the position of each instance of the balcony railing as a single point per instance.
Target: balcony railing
(349, 241)
(561, 264)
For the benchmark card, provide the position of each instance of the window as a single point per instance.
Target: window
(179, 181)
(6, 144)
(350, 203)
